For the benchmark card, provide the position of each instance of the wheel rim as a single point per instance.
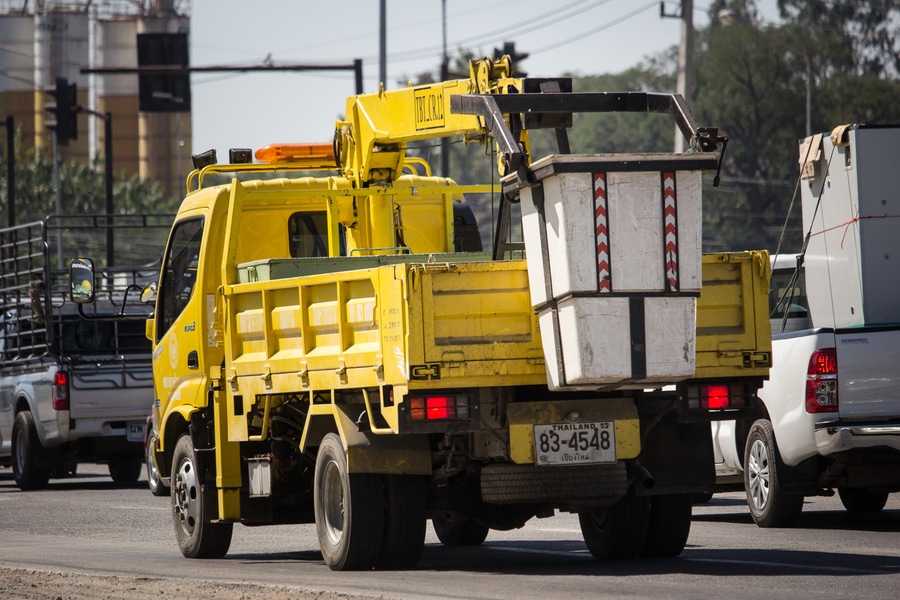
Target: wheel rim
(758, 474)
(185, 496)
(333, 502)
(21, 450)
(152, 470)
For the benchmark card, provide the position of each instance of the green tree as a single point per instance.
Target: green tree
(82, 189)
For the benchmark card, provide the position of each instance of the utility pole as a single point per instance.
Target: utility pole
(9, 123)
(685, 58)
(382, 44)
(445, 75)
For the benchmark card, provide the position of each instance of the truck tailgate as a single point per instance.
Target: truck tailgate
(868, 361)
(475, 320)
(110, 390)
(734, 336)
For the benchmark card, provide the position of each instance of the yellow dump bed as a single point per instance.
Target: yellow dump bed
(357, 322)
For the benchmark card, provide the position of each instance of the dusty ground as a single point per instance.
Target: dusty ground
(23, 584)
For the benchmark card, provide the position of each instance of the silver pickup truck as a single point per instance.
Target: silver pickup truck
(829, 416)
(75, 386)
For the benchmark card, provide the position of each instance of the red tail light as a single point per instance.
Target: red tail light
(821, 382)
(438, 408)
(717, 397)
(720, 396)
(60, 391)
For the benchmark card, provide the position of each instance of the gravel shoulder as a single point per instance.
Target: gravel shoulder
(30, 584)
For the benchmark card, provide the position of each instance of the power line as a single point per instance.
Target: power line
(580, 36)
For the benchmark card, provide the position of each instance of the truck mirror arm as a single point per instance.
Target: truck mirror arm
(121, 315)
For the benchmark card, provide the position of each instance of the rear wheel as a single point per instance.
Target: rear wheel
(769, 506)
(197, 537)
(617, 531)
(405, 512)
(459, 530)
(25, 448)
(349, 508)
(860, 500)
(126, 470)
(670, 525)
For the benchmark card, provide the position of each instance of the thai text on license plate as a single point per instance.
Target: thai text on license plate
(575, 443)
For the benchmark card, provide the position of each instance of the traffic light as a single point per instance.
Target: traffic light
(64, 109)
(510, 49)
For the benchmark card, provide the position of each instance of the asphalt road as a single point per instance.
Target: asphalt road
(89, 526)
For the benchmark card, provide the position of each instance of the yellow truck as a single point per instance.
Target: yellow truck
(332, 345)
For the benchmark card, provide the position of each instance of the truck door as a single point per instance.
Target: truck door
(179, 319)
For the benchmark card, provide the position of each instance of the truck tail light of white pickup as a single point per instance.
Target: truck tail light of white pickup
(60, 391)
(821, 382)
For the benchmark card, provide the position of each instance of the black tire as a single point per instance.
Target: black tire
(764, 473)
(197, 537)
(670, 525)
(618, 531)
(458, 530)
(349, 508)
(405, 520)
(126, 470)
(701, 497)
(25, 450)
(154, 481)
(860, 500)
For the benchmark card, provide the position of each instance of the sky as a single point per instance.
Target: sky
(250, 110)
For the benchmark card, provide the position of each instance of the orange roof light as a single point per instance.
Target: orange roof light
(290, 152)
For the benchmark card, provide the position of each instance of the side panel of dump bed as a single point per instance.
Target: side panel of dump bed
(733, 331)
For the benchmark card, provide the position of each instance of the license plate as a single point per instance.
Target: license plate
(135, 432)
(575, 443)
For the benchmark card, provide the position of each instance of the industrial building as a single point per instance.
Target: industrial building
(44, 40)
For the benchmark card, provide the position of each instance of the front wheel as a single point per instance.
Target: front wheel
(154, 481)
(458, 530)
(25, 448)
(860, 500)
(125, 470)
(618, 531)
(670, 525)
(197, 537)
(769, 506)
(349, 509)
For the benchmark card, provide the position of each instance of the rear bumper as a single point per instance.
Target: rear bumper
(832, 438)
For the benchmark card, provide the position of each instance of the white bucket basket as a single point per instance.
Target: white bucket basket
(613, 246)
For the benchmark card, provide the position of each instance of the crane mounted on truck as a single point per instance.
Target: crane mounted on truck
(335, 348)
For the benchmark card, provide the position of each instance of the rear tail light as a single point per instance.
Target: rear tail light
(60, 391)
(722, 396)
(821, 382)
(438, 408)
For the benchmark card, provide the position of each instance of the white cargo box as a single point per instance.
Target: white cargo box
(614, 223)
(591, 342)
(851, 209)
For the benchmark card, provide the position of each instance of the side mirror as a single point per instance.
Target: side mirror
(81, 280)
(148, 294)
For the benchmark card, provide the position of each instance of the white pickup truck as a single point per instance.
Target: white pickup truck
(75, 384)
(829, 416)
